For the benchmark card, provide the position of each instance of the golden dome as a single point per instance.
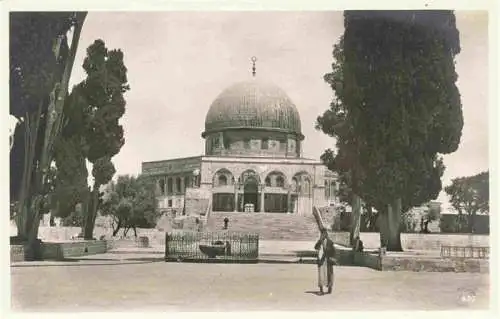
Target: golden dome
(253, 105)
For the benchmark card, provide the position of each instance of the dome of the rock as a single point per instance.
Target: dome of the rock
(253, 105)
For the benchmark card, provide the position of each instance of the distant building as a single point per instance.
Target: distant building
(417, 213)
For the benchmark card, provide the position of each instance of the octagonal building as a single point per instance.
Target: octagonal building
(253, 158)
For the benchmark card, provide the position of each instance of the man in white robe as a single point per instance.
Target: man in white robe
(325, 261)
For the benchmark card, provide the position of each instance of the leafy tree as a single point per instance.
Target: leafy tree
(92, 131)
(470, 195)
(40, 67)
(396, 108)
(131, 202)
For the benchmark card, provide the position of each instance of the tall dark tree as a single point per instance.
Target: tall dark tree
(92, 131)
(41, 61)
(396, 109)
(470, 196)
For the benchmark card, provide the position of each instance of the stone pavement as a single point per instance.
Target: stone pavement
(160, 286)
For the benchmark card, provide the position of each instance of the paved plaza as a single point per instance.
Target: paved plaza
(143, 282)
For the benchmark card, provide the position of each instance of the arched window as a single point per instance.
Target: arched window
(222, 180)
(275, 179)
(295, 185)
(303, 183)
(306, 189)
(268, 181)
(249, 174)
(280, 181)
(222, 177)
(215, 142)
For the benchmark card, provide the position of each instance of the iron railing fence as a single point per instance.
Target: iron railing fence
(465, 252)
(212, 247)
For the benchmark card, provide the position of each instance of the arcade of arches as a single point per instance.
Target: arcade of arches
(248, 193)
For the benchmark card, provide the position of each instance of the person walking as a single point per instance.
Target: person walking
(325, 260)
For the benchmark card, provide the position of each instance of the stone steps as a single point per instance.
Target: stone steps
(269, 226)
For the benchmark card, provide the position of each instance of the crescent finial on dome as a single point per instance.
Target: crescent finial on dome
(254, 59)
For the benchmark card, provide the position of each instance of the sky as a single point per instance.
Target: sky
(178, 62)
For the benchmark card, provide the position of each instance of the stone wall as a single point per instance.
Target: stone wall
(428, 241)
(422, 263)
(60, 251)
(405, 262)
(63, 250)
(16, 253)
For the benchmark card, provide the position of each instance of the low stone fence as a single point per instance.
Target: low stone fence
(416, 241)
(16, 253)
(60, 251)
(63, 250)
(432, 241)
(423, 263)
(418, 262)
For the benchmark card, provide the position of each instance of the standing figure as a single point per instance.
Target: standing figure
(326, 254)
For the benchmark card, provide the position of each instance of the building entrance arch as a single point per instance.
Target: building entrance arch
(251, 192)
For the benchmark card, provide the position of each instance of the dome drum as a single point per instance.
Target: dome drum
(227, 129)
(252, 143)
